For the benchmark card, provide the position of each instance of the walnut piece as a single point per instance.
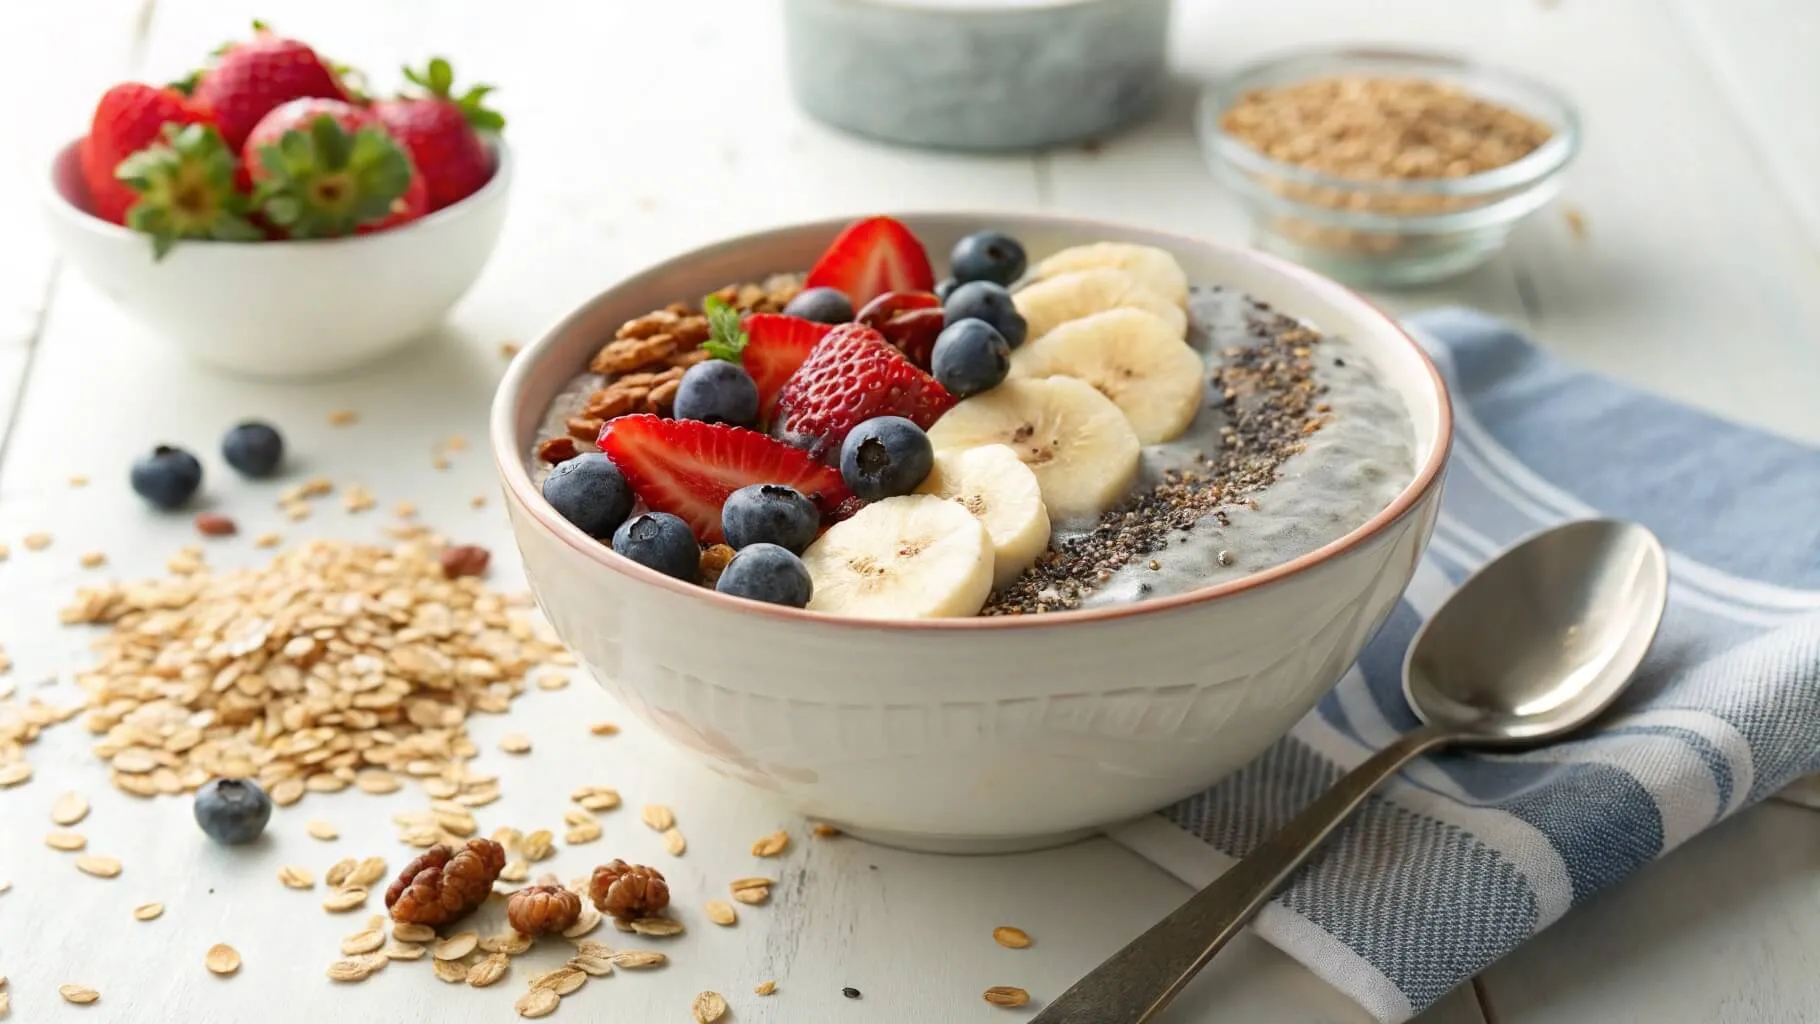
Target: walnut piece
(628, 891)
(537, 909)
(714, 559)
(444, 884)
(556, 450)
(662, 397)
(627, 354)
(583, 428)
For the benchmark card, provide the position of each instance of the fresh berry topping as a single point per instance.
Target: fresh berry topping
(232, 812)
(689, 468)
(167, 477)
(908, 320)
(775, 346)
(870, 257)
(946, 287)
(769, 514)
(884, 457)
(822, 305)
(661, 541)
(188, 187)
(717, 392)
(253, 448)
(253, 78)
(984, 300)
(130, 117)
(589, 491)
(987, 256)
(970, 357)
(852, 376)
(766, 572)
(442, 132)
(323, 168)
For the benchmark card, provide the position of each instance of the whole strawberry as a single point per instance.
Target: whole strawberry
(252, 78)
(187, 187)
(130, 117)
(851, 376)
(442, 132)
(324, 168)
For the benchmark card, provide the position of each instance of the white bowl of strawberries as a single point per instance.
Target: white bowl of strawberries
(272, 221)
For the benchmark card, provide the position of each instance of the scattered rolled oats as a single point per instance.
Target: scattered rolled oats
(765, 988)
(222, 959)
(823, 830)
(287, 792)
(515, 743)
(592, 966)
(452, 971)
(100, 867)
(657, 817)
(338, 872)
(362, 942)
(633, 959)
(771, 845)
(413, 932)
(1005, 995)
(319, 829)
(147, 911)
(69, 809)
(37, 541)
(81, 995)
(554, 681)
(721, 912)
(657, 927)
(268, 540)
(357, 968)
(488, 970)
(456, 946)
(396, 950)
(93, 559)
(587, 922)
(343, 900)
(1011, 938)
(508, 349)
(343, 417)
(68, 842)
(377, 781)
(752, 890)
(537, 1002)
(78, 480)
(515, 871)
(562, 981)
(14, 773)
(295, 877)
(370, 870)
(509, 942)
(674, 843)
(708, 1008)
(596, 798)
(478, 501)
(604, 729)
(539, 845)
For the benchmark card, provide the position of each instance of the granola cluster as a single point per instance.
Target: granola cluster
(644, 363)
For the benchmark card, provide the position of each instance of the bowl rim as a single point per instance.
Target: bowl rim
(82, 219)
(509, 461)
(1540, 164)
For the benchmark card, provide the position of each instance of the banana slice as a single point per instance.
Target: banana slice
(911, 557)
(1073, 438)
(1053, 301)
(1154, 268)
(994, 484)
(1131, 357)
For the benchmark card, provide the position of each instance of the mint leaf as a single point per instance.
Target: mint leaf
(726, 338)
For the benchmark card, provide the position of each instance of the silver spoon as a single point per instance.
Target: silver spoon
(1531, 647)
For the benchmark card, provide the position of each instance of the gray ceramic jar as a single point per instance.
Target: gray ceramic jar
(977, 74)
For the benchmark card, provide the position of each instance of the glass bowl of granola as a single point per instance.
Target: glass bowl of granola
(1386, 167)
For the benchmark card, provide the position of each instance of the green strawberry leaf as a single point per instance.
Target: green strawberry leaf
(437, 80)
(325, 182)
(726, 338)
(187, 189)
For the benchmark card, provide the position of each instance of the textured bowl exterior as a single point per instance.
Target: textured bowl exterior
(285, 309)
(974, 734)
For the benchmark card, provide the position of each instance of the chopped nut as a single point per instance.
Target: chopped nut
(214, 524)
(623, 355)
(714, 561)
(771, 845)
(443, 884)
(583, 428)
(662, 398)
(1005, 995)
(628, 891)
(222, 959)
(1011, 938)
(539, 909)
(708, 1008)
(556, 450)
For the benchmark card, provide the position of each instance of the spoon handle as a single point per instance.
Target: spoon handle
(1138, 981)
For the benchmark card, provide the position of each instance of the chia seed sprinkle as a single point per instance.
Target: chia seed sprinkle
(1269, 395)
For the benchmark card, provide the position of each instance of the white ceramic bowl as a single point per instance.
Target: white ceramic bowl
(984, 734)
(285, 309)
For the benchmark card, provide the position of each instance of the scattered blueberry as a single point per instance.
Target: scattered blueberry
(232, 811)
(717, 392)
(253, 448)
(661, 541)
(766, 572)
(885, 456)
(769, 514)
(945, 287)
(589, 491)
(970, 357)
(822, 305)
(987, 256)
(983, 300)
(168, 477)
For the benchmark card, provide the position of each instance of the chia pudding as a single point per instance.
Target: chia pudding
(1289, 441)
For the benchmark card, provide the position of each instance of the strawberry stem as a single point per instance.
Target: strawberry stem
(437, 80)
(186, 190)
(324, 182)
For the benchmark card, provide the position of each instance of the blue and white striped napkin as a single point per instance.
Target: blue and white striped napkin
(1466, 855)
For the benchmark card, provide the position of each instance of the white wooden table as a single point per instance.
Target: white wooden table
(646, 128)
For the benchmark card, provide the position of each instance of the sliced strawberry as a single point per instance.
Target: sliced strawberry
(852, 376)
(775, 346)
(871, 257)
(687, 468)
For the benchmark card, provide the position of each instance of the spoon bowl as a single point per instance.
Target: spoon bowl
(1543, 638)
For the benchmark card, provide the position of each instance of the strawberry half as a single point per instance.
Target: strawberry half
(687, 468)
(852, 376)
(871, 257)
(775, 346)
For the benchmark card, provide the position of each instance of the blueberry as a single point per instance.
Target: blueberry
(822, 305)
(253, 448)
(945, 287)
(661, 541)
(970, 357)
(232, 811)
(168, 477)
(589, 491)
(766, 572)
(769, 514)
(987, 256)
(885, 456)
(717, 392)
(983, 300)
